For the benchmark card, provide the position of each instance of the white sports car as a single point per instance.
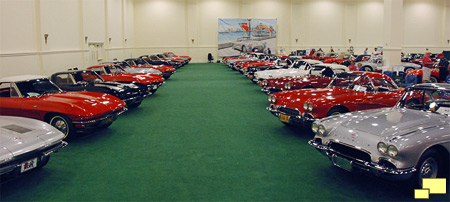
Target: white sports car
(298, 68)
(26, 144)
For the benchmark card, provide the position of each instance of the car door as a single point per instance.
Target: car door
(10, 101)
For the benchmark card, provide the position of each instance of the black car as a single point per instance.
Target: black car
(87, 80)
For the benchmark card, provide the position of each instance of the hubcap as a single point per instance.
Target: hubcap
(61, 125)
(429, 168)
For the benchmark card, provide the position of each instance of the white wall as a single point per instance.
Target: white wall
(138, 27)
(23, 49)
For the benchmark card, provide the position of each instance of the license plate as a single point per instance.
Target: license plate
(284, 118)
(28, 165)
(342, 163)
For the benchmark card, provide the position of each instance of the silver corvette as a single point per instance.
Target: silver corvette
(410, 141)
(26, 144)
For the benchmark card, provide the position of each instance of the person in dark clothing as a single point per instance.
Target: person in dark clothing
(269, 51)
(443, 68)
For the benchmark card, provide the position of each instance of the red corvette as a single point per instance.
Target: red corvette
(434, 76)
(70, 112)
(349, 91)
(110, 72)
(319, 77)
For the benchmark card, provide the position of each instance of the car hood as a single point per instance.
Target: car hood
(21, 135)
(387, 123)
(277, 73)
(79, 103)
(298, 97)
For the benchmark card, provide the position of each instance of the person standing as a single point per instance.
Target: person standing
(366, 52)
(427, 64)
(269, 51)
(375, 52)
(443, 68)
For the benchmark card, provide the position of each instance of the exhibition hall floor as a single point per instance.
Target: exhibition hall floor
(204, 136)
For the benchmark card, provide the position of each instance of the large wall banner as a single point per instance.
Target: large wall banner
(238, 36)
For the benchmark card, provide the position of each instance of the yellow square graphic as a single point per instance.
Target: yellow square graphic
(436, 185)
(421, 193)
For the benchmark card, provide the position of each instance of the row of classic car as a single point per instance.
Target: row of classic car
(38, 113)
(362, 120)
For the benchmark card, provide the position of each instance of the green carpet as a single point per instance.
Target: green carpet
(204, 136)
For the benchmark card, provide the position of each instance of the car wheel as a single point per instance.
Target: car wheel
(44, 162)
(409, 69)
(429, 166)
(136, 104)
(433, 79)
(368, 68)
(336, 111)
(63, 124)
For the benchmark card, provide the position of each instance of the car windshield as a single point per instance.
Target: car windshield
(140, 61)
(37, 87)
(154, 57)
(89, 76)
(434, 100)
(356, 82)
(301, 65)
(161, 56)
(114, 69)
(170, 54)
(131, 62)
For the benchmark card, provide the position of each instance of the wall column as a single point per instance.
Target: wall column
(393, 33)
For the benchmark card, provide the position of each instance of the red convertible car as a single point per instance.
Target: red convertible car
(349, 91)
(319, 77)
(111, 72)
(434, 75)
(36, 97)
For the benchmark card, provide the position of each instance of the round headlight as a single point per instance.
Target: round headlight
(321, 131)
(310, 107)
(305, 106)
(274, 99)
(264, 83)
(314, 127)
(269, 98)
(287, 86)
(392, 151)
(382, 147)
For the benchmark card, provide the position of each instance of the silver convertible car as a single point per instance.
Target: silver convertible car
(410, 141)
(26, 144)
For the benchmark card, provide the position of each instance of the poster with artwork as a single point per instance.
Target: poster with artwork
(238, 36)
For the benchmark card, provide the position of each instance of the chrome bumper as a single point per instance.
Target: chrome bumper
(371, 168)
(296, 120)
(16, 162)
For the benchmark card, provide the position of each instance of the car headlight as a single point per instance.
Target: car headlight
(305, 106)
(310, 107)
(287, 86)
(314, 127)
(382, 147)
(264, 83)
(272, 99)
(392, 151)
(321, 131)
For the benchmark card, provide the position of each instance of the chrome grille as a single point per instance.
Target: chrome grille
(350, 151)
(289, 111)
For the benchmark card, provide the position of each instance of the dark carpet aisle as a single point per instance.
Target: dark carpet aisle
(204, 136)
